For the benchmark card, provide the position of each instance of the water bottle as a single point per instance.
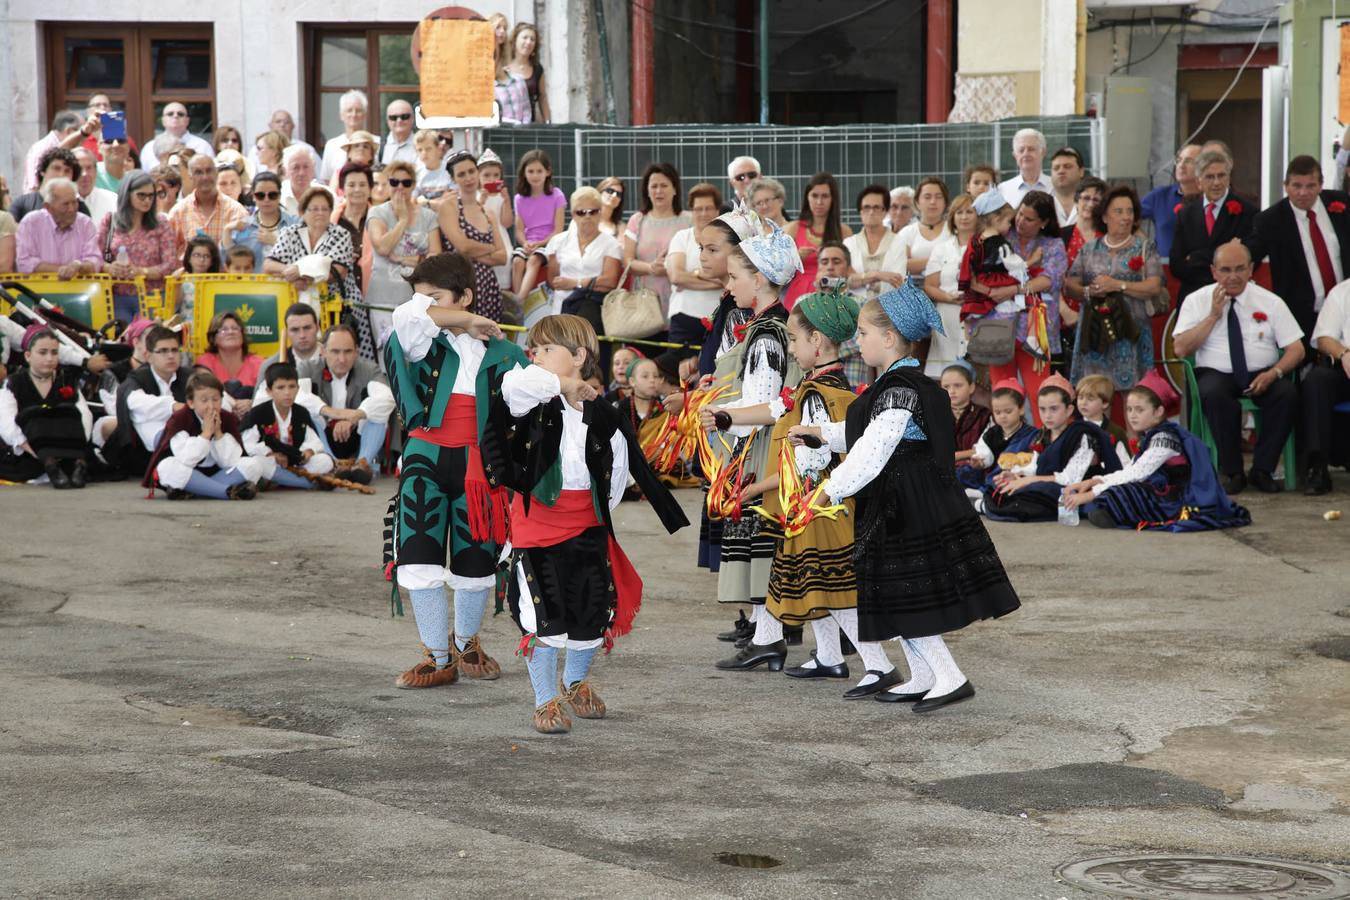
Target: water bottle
(1067, 516)
(123, 258)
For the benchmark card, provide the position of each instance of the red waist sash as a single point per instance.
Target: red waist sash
(487, 506)
(570, 516)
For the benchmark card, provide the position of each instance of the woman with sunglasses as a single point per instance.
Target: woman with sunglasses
(611, 206)
(146, 237)
(583, 258)
(472, 232)
(267, 221)
(402, 233)
(168, 184)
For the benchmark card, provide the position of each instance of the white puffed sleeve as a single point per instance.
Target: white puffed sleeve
(813, 460)
(10, 432)
(1159, 450)
(981, 456)
(189, 449)
(834, 436)
(762, 384)
(1078, 464)
(416, 332)
(618, 476)
(253, 443)
(869, 455)
(379, 402)
(524, 389)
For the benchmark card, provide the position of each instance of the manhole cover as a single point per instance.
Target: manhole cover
(1208, 877)
(747, 860)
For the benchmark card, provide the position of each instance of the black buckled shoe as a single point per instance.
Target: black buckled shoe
(79, 476)
(884, 680)
(818, 670)
(1265, 482)
(1318, 481)
(964, 692)
(56, 475)
(755, 655)
(742, 628)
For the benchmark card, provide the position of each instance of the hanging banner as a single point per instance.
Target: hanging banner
(457, 68)
(1344, 104)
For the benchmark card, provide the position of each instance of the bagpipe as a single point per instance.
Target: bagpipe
(27, 308)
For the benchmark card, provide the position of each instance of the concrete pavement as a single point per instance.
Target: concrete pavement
(196, 699)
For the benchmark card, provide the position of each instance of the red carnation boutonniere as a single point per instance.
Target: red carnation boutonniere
(327, 375)
(271, 430)
(1259, 316)
(707, 324)
(1103, 309)
(1136, 263)
(738, 331)
(65, 392)
(1133, 444)
(1336, 206)
(1176, 210)
(1234, 208)
(861, 389)
(1037, 447)
(786, 396)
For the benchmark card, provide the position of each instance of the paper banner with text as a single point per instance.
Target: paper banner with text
(1343, 106)
(457, 68)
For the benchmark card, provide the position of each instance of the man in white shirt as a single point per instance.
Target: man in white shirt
(175, 121)
(350, 400)
(1325, 386)
(299, 169)
(101, 202)
(398, 143)
(352, 109)
(1066, 171)
(283, 122)
(1245, 340)
(1028, 147)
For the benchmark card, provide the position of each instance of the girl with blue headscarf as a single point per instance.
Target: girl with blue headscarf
(925, 564)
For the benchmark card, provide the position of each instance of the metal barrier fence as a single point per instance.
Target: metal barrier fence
(857, 155)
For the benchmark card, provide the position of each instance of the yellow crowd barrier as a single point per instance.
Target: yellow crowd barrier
(87, 299)
(260, 302)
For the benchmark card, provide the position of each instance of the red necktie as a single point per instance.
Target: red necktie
(1323, 255)
(1209, 218)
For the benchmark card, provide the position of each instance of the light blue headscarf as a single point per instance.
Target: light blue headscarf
(912, 313)
(774, 254)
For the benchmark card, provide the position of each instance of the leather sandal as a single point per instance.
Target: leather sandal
(426, 675)
(585, 702)
(474, 662)
(551, 718)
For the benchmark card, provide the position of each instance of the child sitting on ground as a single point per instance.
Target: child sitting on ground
(619, 364)
(1094, 405)
(1004, 444)
(1068, 450)
(239, 260)
(971, 418)
(282, 436)
(200, 453)
(1171, 484)
(44, 419)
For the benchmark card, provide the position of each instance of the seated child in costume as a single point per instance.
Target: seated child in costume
(44, 420)
(145, 401)
(200, 453)
(1068, 450)
(1170, 485)
(1094, 395)
(571, 587)
(239, 260)
(1006, 443)
(281, 435)
(971, 418)
(645, 415)
(990, 262)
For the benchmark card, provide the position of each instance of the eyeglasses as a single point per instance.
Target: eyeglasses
(871, 207)
(612, 191)
(399, 117)
(444, 139)
(176, 114)
(267, 195)
(746, 176)
(116, 142)
(585, 212)
(143, 195)
(401, 182)
(161, 192)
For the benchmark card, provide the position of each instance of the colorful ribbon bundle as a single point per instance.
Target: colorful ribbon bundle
(725, 480)
(1038, 330)
(682, 436)
(798, 498)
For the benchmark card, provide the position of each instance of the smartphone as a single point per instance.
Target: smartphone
(493, 187)
(114, 125)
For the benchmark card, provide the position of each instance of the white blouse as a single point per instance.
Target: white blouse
(1159, 450)
(868, 456)
(697, 303)
(581, 265)
(524, 389)
(762, 384)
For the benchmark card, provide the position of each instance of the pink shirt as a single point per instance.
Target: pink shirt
(247, 374)
(537, 213)
(40, 241)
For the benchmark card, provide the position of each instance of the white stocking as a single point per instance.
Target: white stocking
(921, 678)
(873, 656)
(827, 644)
(947, 675)
(768, 630)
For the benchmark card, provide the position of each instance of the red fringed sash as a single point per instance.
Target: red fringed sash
(487, 506)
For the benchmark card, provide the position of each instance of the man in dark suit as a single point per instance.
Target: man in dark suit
(1307, 238)
(1214, 218)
